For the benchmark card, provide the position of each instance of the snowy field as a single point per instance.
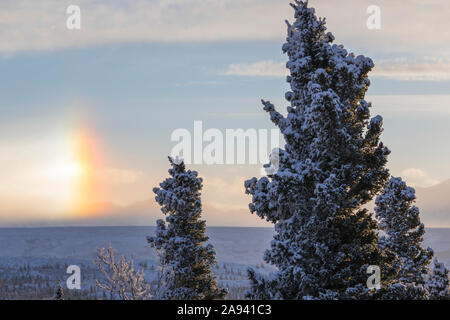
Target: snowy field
(33, 261)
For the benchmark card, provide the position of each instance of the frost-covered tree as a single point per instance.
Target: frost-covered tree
(403, 235)
(332, 164)
(121, 279)
(180, 240)
(59, 294)
(438, 284)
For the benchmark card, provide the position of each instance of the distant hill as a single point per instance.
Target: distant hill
(434, 204)
(244, 246)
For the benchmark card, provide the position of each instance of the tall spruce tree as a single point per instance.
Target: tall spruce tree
(187, 261)
(332, 164)
(403, 235)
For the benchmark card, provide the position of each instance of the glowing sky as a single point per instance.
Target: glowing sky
(86, 116)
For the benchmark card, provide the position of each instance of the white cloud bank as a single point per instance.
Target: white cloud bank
(418, 178)
(258, 69)
(428, 69)
(404, 69)
(40, 25)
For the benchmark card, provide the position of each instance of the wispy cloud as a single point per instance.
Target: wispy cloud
(411, 106)
(428, 69)
(41, 25)
(404, 69)
(418, 177)
(198, 83)
(115, 176)
(258, 69)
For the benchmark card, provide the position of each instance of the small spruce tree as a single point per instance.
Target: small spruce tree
(438, 282)
(59, 295)
(403, 234)
(180, 240)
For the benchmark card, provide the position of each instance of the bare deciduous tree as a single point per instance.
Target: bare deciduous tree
(121, 278)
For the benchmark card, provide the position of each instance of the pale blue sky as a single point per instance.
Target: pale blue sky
(133, 94)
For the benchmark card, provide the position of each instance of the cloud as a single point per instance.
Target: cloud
(220, 215)
(428, 69)
(30, 25)
(418, 178)
(41, 25)
(198, 83)
(420, 107)
(404, 69)
(225, 192)
(116, 176)
(258, 69)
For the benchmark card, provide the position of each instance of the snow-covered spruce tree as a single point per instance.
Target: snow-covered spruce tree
(180, 242)
(333, 163)
(403, 234)
(438, 284)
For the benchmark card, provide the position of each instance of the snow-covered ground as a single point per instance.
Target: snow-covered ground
(34, 260)
(233, 245)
